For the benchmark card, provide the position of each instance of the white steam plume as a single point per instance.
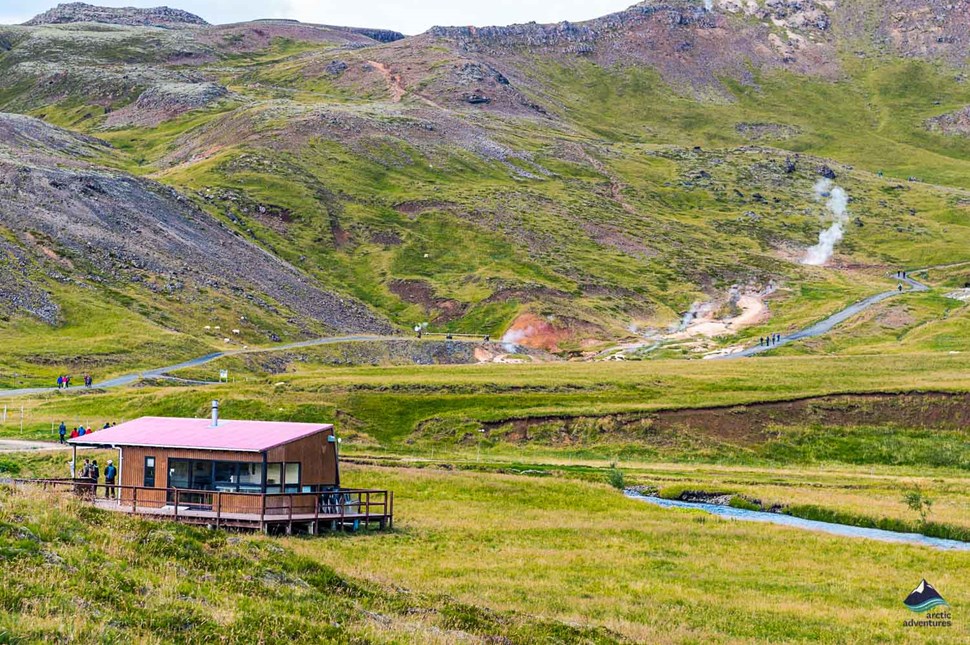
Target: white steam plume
(515, 336)
(709, 5)
(838, 203)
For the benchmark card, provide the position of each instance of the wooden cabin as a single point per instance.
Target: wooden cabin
(238, 473)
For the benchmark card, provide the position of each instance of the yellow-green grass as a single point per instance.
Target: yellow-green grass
(581, 552)
(77, 574)
(388, 404)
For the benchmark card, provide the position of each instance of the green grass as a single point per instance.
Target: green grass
(157, 582)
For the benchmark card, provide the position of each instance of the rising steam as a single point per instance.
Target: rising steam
(838, 203)
(513, 337)
(709, 5)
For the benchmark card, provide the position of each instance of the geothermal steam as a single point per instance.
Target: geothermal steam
(837, 204)
(513, 337)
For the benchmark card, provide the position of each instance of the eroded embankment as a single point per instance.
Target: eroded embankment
(751, 423)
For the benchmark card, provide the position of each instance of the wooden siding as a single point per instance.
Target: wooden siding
(317, 456)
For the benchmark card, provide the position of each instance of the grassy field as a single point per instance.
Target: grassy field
(537, 559)
(523, 539)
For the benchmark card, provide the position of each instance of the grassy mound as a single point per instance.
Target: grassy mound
(76, 574)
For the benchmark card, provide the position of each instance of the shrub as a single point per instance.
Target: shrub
(616, 478)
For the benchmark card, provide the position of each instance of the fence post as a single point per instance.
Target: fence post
(176, 504)
(218, 507)
(134, 500)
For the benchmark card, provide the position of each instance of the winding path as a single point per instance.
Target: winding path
(826, 325)
(819, 328)
(128, 379)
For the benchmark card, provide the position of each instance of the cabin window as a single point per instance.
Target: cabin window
(250, 477)
(226, 475)
(179, 473)
(274, 478)
(291, 481)
(150, 472)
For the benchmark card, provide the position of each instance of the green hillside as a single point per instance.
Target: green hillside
(602, 193)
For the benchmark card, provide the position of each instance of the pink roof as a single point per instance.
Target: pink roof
(198, 434)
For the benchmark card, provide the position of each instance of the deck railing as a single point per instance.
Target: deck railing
(324, 503)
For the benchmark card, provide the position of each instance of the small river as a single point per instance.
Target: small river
(810, 525)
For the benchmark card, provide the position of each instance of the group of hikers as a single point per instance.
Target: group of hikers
(64, 381)
(79, 431)
(768, 341)
(90, 475)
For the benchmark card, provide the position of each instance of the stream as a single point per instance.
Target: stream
(843, 530)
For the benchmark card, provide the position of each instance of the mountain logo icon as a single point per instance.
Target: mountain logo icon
(924, 598)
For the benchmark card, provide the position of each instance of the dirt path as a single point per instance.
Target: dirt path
(128, 379)
(394, 84)
(17, 445)
(826, 325)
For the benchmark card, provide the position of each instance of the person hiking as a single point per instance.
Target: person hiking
(62, 431)
(60, 382)
(110, 472)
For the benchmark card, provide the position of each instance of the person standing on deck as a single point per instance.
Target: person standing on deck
(95, 474)
(62, 431)
(110, 472)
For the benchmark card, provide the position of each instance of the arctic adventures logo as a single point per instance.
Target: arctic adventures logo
(923, 600)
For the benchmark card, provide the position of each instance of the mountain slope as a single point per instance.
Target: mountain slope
(570, 182)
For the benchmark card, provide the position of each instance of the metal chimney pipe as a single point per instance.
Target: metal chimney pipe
(215, 414)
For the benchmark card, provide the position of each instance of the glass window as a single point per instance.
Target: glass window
(291, 479)
(202, 475)
(150, 472)
(250, 477)
(274, 478)
(179, 472)
(274, 474)
(226, 475)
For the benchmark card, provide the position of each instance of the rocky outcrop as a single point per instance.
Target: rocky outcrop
(20, 289)
(136, 17)
(952, 124)
(691, 46)
(380, 35)
(166, 101)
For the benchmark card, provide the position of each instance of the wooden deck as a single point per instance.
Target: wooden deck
(278, 513)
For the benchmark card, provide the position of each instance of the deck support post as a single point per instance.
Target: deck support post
(176, 505)
(218, 508)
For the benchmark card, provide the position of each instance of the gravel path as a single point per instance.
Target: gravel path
(825, 326)
(128, 379)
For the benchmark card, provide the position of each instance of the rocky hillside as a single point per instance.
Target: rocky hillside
(90, 225)
(571, 184)
(82, 12)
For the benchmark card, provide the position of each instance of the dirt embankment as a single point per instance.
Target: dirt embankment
(753, 423)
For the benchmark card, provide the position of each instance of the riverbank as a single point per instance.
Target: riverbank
(814, 517)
